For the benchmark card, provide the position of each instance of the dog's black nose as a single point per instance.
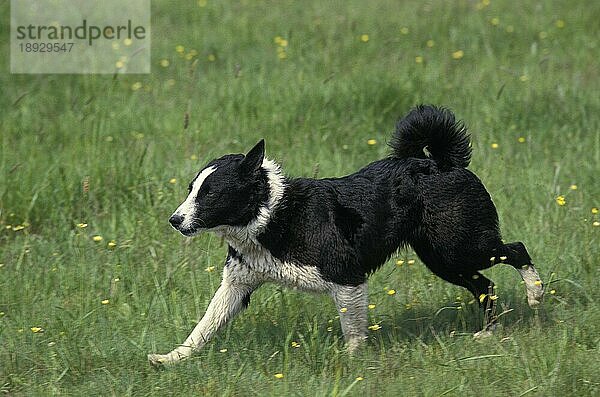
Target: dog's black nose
(175, 220)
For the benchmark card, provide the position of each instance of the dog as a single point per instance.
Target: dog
(328, 235)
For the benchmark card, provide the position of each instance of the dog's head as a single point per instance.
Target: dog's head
(229, 191)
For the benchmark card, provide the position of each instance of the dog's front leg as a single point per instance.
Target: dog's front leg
(229, 300)
(351, 303)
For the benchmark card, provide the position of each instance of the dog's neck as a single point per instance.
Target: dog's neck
(244, 239)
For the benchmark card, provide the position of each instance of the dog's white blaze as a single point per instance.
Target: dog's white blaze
(186, 209)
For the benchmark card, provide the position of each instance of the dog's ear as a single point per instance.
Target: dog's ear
(254, 158)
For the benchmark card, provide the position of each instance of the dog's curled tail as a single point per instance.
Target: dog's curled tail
(430, 131)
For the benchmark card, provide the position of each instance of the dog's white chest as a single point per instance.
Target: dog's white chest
(260, 267)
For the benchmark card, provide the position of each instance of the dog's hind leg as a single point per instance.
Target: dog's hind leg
(351, 303)
(516, 255)
(231, 297)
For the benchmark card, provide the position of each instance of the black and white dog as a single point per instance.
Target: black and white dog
(328, 235)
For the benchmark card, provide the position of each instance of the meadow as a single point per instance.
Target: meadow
(92, 277)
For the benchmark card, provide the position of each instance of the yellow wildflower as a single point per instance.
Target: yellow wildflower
(495, 145)
(560, 23)
(364, 38)
(82, 225)
(560, 200)
(430, 43)
(371, 142)
(211, 58)
(127, 42)
(224, 350)
(37, 330)
(371, 306)
(173, 181)
(295, 344)
(136, 86)
(374, 327)
(419, 59)
(360, 378)
(279, 375)
(404, 30)
(411, 262)
(458, 54)
(180, 49)
(521, 139)
(399, 262)
(391, 292)
(97, 238)
(164, 63)
(209, 269)
(573, 187)
(105, 301)
(596, 223)
(595, 210)
(343, 310)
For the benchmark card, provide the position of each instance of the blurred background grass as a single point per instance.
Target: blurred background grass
(317, 80)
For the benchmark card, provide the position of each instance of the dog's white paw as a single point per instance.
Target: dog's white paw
(354, 344)
(534, 285)
(159, 360)
(534, 298)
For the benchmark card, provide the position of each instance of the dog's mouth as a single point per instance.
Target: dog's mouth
(189, 232)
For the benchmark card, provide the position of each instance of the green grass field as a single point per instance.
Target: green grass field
(78, 316)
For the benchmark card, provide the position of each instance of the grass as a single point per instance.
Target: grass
(103, 151)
